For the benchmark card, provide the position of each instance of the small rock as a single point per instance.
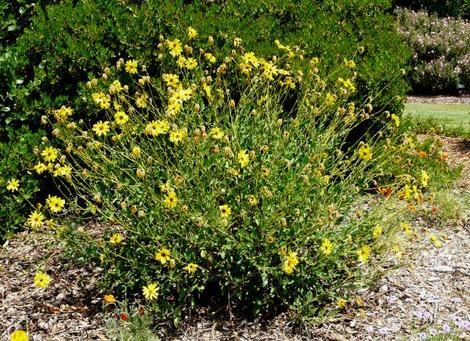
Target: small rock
(443, 268)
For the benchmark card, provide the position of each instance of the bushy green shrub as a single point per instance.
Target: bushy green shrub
(441, 47)
(58, 43)
(242, 201)
(16, 158)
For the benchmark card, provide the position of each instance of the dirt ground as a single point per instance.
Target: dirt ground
(427, 295)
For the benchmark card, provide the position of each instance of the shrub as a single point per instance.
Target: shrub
(204, 197)
(15, 160)
(58, 43)
(441, 47)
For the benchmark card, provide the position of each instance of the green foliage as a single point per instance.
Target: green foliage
(15, 162)
(50, 47)
(441, 52)
(66, 41)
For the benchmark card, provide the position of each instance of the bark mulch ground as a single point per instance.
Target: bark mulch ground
(427, 295)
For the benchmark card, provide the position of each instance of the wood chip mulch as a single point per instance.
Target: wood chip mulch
(428, 294)
(68, 309)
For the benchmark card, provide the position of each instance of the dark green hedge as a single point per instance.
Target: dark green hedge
(442, 8)
(57, 44)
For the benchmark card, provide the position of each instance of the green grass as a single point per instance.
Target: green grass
(447, 119)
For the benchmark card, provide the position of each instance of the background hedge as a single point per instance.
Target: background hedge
(442, 8)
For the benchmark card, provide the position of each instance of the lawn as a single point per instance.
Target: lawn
(454, 118)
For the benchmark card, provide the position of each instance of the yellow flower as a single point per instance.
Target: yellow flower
(225, 211)
(171, 200)
(395, 119)
(341, 303)
(116, 238)
(349, 63)
(365, 152)
(190, 63)
(290, 263)
(115, 87)
(407, 229)
(216, 133)
(424, 178)
(55, 203)
(41, 280)
(136, 151)
(19, 335)
(210, 57)
(377, 232)
(250, 58)
(326, 247)
(35, 220)
(364, 253)
(163, 255)
(406, 192)
(13, 185)
(62, 114)
(176, 136)
(121, 117)
(102, 100)
(165, 187)
(150, 291)
(171, 80)
(192, 33)
(131, 66)
(141, 101)
(191, 268)
(109, 299)
(330, 99)
(101, 128)
(63, 171)
(50, 154)
(243, 158)
(175, 47)
(156, 128)
(40, 168)
(252, 200)
(435, 240)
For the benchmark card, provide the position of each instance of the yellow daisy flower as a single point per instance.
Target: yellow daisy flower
(225, 211)
(131, 66)
(50, 154)
(41, 280)
(243, 158)
(171, 200)
(101, 128)
(121, 117)
(19, 335)
(364, 253)
(191, 268)
(163, 255)
(326, 247)
(150, 291)
(35, 220)
(55, 203)
(13, 185)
